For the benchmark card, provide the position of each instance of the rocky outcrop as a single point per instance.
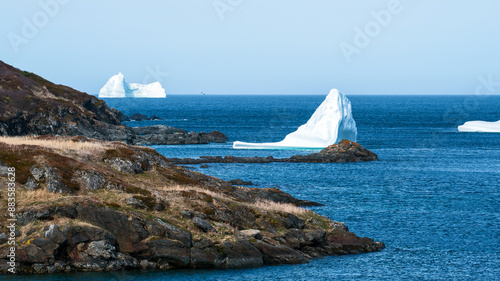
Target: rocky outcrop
(145, 213)
(31, 105)
(161, 134)
(141, 117)
(344, 151)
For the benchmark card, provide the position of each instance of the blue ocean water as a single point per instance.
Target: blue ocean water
(433, 198)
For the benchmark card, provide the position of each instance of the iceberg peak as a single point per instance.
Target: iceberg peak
(118, 87)
(331, 122)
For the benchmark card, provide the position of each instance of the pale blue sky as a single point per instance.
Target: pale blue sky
(258, 46)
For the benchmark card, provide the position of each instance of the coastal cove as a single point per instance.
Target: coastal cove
(432, 197)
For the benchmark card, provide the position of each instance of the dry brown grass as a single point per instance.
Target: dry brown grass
(264, 205)
(39, 195)
(279, 207)
(62, 144)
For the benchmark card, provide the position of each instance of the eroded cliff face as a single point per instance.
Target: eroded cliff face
(89, 205)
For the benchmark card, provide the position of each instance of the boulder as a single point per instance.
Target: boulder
(31, 184)
(55, 234)
(174, 252)
(240, 254)
(203, 225)
(252, 233)
(91, 180)
(273, 255)
(128, 232)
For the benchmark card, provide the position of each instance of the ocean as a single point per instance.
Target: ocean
(433, 197)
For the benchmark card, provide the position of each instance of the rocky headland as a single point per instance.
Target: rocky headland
(87, 199)
(31, 105)
(89, 205)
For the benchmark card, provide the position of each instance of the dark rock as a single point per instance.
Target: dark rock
(48, 246)
(37, 172)
(240, 254)
(344, 151)
(205, 258)
(203, 225)
(101, 250)
(174, 252)
(55, 186)
(120, 116)
(292, 221)
(44, 215)
(124, 165)
(65, 211)
(139, 117)
(135, 203)
(186, 214)
(128, 233)
(240, 182)
(26, 217)
(53, 182)
(273, 255)
(252, 233)
(278, 196)
(31, 254)
(175, 233)
(203, 243)
(55, 234)
(161, 134)
(4, 169)
(158, 130)
(204, 166)
(92, 180)
(3, 238)
(72, 113)
(31, 184)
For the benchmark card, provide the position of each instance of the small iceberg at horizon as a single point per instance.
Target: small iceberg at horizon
(331, 122)
(480, 127)
(118, 87)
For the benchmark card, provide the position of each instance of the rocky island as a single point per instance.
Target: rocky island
(344, 151)
(87, 199)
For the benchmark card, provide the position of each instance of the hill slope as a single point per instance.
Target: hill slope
(88, 205)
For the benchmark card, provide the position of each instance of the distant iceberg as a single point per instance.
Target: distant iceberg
(331, 122)
(480, 126)
(117, 87)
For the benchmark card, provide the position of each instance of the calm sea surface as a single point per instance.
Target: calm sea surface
(433, 198)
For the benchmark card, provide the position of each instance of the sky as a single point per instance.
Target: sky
(259, 46)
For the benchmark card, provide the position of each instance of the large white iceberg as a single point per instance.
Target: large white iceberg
(117, 87)
(480, 126)
(331, 122)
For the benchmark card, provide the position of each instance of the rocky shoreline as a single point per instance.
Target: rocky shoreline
(344, 151)
(88, 199)
(126, 207)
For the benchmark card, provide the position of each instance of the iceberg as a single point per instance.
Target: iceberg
(331, 122)
(480, 126)
(117, 87)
